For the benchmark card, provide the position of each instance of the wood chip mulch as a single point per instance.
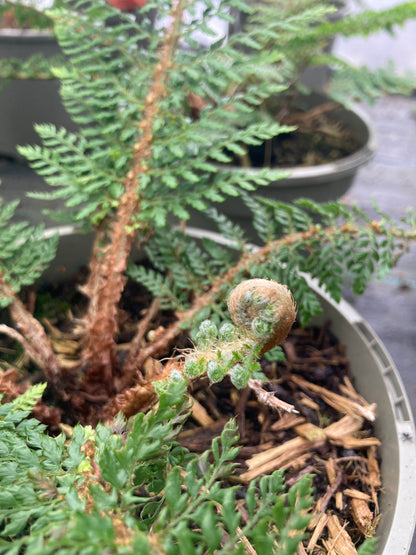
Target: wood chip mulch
(329, 433)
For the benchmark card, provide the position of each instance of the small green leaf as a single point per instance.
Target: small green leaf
(173, 489)
(17, 523)
(229, 512)
(211, 532)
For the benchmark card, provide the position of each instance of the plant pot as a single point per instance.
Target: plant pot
(376, 378)
(321, 183)
(326, 182)
(25, 102)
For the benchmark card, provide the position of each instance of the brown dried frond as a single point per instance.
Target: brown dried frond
(9, 384)
(138, 398)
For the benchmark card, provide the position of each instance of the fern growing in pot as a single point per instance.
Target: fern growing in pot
(140, 155)
(332, 136)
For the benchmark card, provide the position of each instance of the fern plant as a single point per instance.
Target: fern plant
(155, 113)
(302, 31)
(131, 488)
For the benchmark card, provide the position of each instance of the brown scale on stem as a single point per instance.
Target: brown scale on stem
(107, 280)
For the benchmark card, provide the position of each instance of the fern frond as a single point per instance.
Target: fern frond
(329, 241)
(157, 284)
(368, 21)
(132, 480)
(228, 228)
(24, 252)
(29, 398)
(182, 267)
(363, 84)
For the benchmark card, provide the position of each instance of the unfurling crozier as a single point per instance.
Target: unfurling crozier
(263, 312)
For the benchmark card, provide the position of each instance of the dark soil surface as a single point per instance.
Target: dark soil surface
(319, 139)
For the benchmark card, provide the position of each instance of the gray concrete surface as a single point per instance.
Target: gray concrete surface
(389, 305)
(375, 51)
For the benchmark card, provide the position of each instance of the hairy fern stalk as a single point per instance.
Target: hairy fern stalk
(156, 113)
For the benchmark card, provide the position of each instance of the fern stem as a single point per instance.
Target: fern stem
(32, 336)
(107, 279)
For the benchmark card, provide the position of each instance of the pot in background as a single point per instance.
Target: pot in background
(25, 102)
(321, 183)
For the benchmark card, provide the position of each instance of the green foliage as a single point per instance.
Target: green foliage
(89, 493)
(181, 267)
(368, 21)
(25, 15)
(270, 511)
(24, 252)
(36, 67)
(332, 242)
(367, 85)
(303, 31)
(342, 246)
(104, 89)
(221, 351)
(153, 123)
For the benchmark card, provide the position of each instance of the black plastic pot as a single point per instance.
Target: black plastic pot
(326, 182)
